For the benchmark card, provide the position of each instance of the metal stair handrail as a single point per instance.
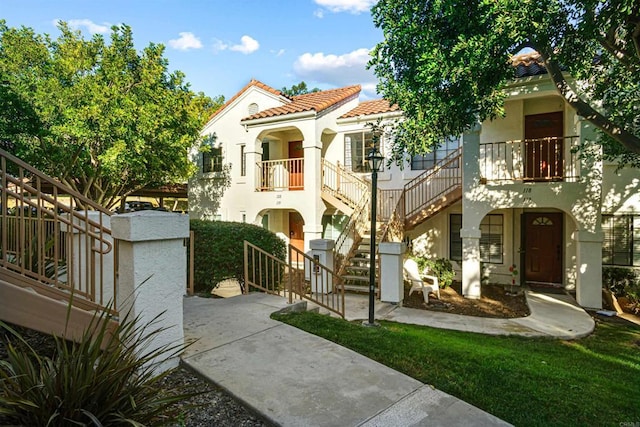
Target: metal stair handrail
(46, 238)
(343, 184)
(421, 191)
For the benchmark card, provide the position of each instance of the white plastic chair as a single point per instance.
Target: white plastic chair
(418, 283)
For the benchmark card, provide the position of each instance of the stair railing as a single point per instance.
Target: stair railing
(428, 187)
(351, 235)
(342, 184)
(47, 238)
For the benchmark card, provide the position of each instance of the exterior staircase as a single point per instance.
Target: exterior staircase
(54, 268)
(398, 212)
(356, 268)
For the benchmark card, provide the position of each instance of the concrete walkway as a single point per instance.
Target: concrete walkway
(552, 315)
(293, 378)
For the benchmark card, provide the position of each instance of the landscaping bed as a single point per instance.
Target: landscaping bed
(496, 301)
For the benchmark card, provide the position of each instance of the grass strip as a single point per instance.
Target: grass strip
(525, 381)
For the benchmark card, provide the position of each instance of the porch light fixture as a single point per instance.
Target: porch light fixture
(375, 161)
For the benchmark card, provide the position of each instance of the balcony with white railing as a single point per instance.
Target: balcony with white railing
(530, 160)
(280, 175)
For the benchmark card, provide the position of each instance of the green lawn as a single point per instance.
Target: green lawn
(527, 382)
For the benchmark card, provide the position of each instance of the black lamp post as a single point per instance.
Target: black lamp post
(375, 160)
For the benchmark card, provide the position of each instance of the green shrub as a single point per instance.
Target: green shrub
(440, 267)
(101, 380)
(219, 250)
(622, 282)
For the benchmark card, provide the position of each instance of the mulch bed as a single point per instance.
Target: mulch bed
(496, 302)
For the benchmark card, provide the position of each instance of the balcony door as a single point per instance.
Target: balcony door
(296, 165)
(544, 148)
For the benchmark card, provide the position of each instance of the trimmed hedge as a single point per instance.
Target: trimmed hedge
(219, 250)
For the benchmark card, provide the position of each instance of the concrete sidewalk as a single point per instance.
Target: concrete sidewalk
(552, 315)
(293, 378)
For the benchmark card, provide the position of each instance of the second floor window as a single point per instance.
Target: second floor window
(243, 161)
(212, 160)
(429, 160)
(356, 149)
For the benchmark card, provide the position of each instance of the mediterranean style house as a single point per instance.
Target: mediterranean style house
(520, 199)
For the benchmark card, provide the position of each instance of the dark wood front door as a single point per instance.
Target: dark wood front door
(544, 146)
(543, 247)
(296, 165)
(296, 232)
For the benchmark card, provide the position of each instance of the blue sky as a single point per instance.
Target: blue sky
(221, 44)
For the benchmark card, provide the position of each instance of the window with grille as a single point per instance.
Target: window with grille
(491, 238)
(429, 160)
(212, 160)
(243, 161)
(356, 150)
(621, 244)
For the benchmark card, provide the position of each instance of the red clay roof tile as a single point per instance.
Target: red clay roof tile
(366, 108)
(315, 101)
(253, 82)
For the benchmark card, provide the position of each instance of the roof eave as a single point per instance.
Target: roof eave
(360, 118)
(279, 118)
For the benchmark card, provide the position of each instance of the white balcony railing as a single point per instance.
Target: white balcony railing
(544, 159)
(280, 175)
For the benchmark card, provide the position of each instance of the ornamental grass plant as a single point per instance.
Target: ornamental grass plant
(109, 377)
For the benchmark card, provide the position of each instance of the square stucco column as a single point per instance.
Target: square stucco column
(152, 275)
(391, 277)
(589, 268)
(321, 280)
(470, 263)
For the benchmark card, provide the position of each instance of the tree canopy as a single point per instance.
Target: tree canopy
(95, 114)
(446, 63)
(299, 89)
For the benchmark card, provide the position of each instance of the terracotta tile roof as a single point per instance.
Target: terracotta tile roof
(316, 101)
(253, 82)
(367, 108)
(528, 64)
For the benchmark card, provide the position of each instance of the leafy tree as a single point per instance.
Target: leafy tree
(97, 115)
(299, 89)
(446, 63)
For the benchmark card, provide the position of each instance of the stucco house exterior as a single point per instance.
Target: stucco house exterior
(512, 194)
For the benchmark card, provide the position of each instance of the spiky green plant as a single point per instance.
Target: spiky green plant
(107, 378)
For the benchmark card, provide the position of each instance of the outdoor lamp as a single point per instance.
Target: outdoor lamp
(375, 161)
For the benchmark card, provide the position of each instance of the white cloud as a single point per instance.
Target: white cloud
(352, 6)
(280, 52)
(318, 13)
(91, 26)
(185, 42)
(247, 45)
(336, 70)
(219, 45)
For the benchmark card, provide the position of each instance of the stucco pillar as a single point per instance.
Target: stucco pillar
(470, 263)
(322, 251)
(391, 277)
(152, 276)
(588, 268)
(471, 218)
